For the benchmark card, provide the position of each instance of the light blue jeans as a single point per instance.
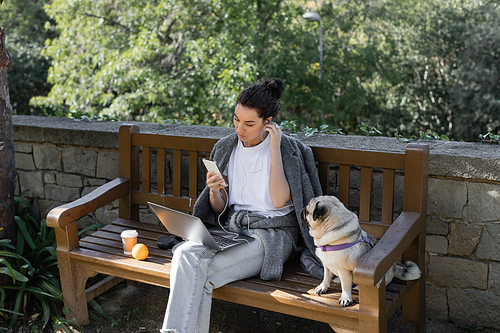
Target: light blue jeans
(196, 272)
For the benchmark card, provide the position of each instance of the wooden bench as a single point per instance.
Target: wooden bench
(402, 233)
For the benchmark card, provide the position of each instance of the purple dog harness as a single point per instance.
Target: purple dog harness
(339, 247)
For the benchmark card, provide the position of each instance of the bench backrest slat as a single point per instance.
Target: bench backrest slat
(387, 195)
(365, 193)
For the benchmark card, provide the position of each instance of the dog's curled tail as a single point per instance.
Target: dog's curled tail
(409, 271)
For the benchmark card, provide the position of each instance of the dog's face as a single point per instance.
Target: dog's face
(325, 214)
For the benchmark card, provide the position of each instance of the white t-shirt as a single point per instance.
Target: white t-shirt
(248, 174)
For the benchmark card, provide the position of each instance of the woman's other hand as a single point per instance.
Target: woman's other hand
(275, 131)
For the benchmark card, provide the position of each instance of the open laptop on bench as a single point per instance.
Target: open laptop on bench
(192, 228)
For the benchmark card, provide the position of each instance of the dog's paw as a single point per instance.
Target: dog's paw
(343, 301)
(321, 289)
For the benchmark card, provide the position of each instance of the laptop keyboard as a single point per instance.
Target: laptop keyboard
(223, 242)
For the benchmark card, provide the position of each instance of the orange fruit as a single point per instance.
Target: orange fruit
(140, 251)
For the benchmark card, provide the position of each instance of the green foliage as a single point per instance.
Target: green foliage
(489, 138)
(26, 35)
(32, 265)
(408, 66)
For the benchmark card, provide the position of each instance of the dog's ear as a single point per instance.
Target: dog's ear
(319, 211)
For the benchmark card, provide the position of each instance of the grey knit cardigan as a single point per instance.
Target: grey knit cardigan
(301, 174)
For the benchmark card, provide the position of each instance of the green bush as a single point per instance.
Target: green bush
(32, 265)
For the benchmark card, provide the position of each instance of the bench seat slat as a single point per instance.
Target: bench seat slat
(106, 239)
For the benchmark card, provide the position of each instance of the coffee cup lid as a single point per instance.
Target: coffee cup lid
(129, 234)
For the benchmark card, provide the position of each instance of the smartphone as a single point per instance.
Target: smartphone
(212, 166)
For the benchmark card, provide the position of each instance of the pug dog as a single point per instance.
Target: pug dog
(341, 243)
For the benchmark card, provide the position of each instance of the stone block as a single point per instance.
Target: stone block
(436, 244)
(107, 164)
(23, 148)
(49, 178)
(470, 307)
(87, 189)
(494, 279)
(436, 302)
(106, 215)
(94, 182)
(453, 272)
(85, 222)
(47, 157)
(47, 205)
(80, 161)
(24, 161)
(61, 193)
(377, 188)
(489, 245)
(484, 202)
(32, 181)
(69, 180)
(446, 198)
(148, 217)
(463, 238)
(437, 226)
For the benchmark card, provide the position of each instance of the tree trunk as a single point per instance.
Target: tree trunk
(7, 162)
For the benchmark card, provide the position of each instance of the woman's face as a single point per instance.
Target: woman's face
(249, 126)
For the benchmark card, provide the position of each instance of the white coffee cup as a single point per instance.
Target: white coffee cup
(129, 239)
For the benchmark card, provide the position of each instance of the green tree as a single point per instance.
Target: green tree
(387, 62)
(25, 21)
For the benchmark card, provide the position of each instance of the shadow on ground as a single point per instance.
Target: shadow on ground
(140, 308)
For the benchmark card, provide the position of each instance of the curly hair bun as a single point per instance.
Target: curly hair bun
(276, 86)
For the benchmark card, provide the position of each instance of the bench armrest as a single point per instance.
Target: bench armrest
(103, 195)
(375, 263)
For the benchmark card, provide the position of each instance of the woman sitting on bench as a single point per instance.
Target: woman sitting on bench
(270, 178)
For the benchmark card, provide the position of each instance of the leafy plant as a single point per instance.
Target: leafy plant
(489, 138)
(368, 129)
(428, 135)
(32, 265)
(309, 131)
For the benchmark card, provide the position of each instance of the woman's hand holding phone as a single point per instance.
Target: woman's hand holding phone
(215, 180)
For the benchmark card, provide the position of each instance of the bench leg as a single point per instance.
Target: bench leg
(372, 308)
(73, 281)
(414, 306)
(414, 303)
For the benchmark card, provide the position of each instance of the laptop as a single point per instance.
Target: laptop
(192, 228)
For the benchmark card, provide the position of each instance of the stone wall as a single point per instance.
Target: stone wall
(60, 160)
